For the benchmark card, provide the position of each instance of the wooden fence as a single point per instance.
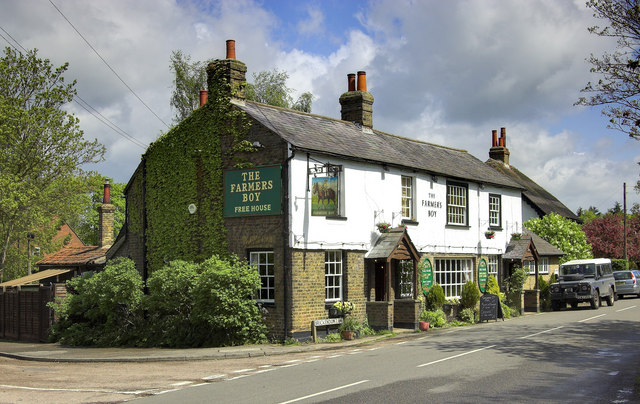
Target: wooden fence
(24, 315)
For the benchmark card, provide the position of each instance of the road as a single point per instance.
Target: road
(570, 356)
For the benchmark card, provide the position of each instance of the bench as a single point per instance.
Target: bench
(323, 323)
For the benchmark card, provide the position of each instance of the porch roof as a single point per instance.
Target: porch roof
(396, 244)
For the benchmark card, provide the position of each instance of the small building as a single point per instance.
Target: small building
(326, 209)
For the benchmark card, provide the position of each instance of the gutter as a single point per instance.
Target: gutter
(285, 234)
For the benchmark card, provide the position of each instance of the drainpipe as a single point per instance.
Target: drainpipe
(285, 234)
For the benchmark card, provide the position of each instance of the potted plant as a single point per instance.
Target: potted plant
(348, 327)
(342, 308)
(383, 227)
(489, 234)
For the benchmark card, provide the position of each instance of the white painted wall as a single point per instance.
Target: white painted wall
(372, 195)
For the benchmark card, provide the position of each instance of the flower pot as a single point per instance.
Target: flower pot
(347, 334)
(424, 325)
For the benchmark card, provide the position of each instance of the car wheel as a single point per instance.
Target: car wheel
(555, 305)
(595, 300)
(574, 305)
(610, 298)
(622, 296)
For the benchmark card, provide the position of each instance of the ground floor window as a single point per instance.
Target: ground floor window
(543, 266)
(452, 274)
(333, 276)
(263, 262)
(492, 266)
(405, 279)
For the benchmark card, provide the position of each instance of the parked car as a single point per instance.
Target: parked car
(587, 280)
(627, 283)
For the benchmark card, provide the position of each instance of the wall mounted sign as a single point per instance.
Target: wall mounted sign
(482, 274)
(324, 196)
(426, 275)
(253, 191)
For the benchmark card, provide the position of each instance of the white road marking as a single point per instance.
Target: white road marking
(403, 342)
(265, 366)
(243, 370)
(8, 386)
(290, 365)
(265, 370)
(181, 383)
(541, 332)
(238, 377)
(324, 392)
(455, 356)
(591, 318)
(626, 308)
(334, 356)
(213, 377)
(293, 361)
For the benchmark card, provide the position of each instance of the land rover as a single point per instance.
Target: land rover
(580, 281)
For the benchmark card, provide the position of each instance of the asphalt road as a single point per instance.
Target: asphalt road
(572, 356)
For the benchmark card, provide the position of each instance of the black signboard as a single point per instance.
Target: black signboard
(490, 308)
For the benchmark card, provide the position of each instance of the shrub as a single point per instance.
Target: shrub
(350, 324)
(545, 295)
(517, 279)
(434, 298)
(434, 318)
(469, 315)
(470, 295)
(101, 309)
(492, 286)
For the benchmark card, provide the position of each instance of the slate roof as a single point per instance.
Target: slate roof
(517, 248)
(385, 244)
(330, 136)
(533, 193)
(74, 256)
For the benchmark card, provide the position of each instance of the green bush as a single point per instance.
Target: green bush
(517, 279)
(545, 294)
(470, 295)
(102, 309)
(492, 286)
(622, 265)
(434, 298)
(435, 318)
(469, 315)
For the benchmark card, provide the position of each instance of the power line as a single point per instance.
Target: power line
(88, 106)
(107, 64)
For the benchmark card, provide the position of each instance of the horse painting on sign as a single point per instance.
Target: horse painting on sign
(324, 196)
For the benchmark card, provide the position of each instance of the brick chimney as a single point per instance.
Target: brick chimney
(229, 72)
(357, 103)
(499, 149)
(106, 218)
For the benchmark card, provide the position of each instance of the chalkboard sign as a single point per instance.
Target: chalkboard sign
(490, 308)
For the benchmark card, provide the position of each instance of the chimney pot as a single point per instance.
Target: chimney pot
(503, 137)
(231, 49)
(362, 81)
(494, 135)
(106, 198)
(203, 97)
(351, 81)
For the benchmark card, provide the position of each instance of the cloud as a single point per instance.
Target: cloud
(314, 24)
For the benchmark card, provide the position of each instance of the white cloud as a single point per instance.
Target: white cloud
(314, 24)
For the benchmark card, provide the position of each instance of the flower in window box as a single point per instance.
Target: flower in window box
(383, 227)
(343, 307)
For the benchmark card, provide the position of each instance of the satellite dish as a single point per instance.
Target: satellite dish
(192, 208)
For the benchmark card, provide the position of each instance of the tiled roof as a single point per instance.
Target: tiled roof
(517, 248)
(537, 196)
(345, 139)
(74, 256)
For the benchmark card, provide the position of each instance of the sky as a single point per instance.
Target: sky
(442, 72)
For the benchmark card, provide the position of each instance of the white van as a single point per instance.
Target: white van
(587, 280)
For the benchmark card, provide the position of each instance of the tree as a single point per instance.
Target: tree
(589, 214)
(562, 233)
(86, 224)
(619, 86)
(606, 236)
(616, 210)
(42, 150)
(269, 87)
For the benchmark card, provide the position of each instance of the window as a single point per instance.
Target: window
(407, 197)
(333, 276)
(452, 274)
(263, 262)
(495, 212)
(457, 204)
(543, 266)
(405, 279)
(492, 266)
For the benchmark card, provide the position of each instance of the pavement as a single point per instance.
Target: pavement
(49, 352)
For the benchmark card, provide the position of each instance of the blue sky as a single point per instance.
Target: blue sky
(443, 72)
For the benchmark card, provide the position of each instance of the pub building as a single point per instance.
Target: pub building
(310, 207)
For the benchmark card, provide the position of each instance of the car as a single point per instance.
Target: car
(627, 283)
(587, 280)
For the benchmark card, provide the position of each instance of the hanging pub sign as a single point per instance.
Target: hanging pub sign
(426, 275)
(482, 274)
(324, 196)
(253, 191)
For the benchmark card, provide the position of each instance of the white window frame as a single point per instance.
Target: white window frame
(543, 266)
(452, 274)
(495, 211)
(493, 265)
(263, 261)
(333, 274)
(457, 204)
(405, 279)
(407, 197)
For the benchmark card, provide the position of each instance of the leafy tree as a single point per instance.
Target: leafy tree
(86, 224)
(190, 77)
(616, 210)
(270, 87)
(619, 86)
(563, 234)
(588, 214)
(606, 236)
(42, 151)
